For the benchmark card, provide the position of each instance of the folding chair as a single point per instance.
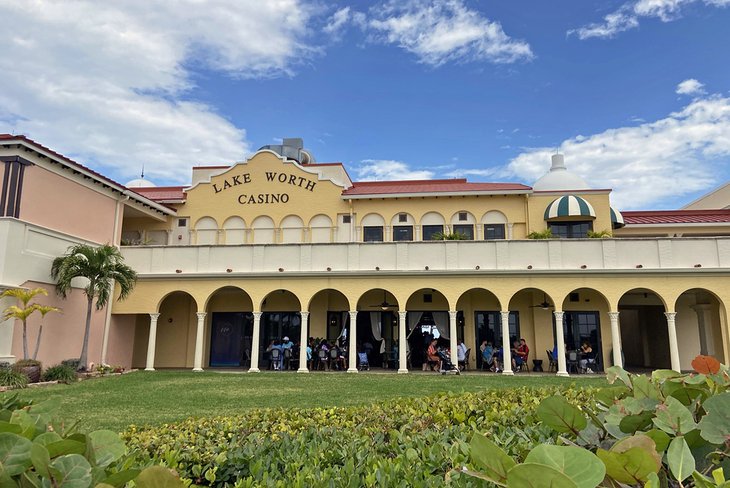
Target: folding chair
(552, 362)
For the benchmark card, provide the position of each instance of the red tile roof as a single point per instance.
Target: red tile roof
(456, 185)
(161, 193)
(659, 217)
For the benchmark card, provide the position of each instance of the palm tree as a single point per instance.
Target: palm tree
(102, 266)
(26, 310)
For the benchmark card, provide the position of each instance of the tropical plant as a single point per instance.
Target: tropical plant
(37, 450)
(666, 430)
(545, 234)
(449, 236)
(27, 309)
(13, 379)
(102, 267)
(599, 234)
(60, 373)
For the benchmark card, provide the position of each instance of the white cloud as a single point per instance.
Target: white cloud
(337, 22)
(388, 170)
(440, 31)
(628, 16)
(650, 164)
(110, 83)
(690, 87)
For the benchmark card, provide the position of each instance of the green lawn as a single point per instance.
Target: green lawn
(165, 396)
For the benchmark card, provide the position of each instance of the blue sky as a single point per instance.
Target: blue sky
(636, 94)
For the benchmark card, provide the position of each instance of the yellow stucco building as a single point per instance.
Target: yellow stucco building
(279, 245)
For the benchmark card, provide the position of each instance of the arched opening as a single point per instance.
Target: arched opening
(494, 225)
(531, 318)
(463, 222)
(234, 229)
(206, 230)
(432, 223)
(377, 326)
(586, 330)
(281, 323)
(372, 228)
(176, 329)
(320, 229)
(292, 229)
(644, 334)
(329, 321)
(479, 321)
(230, 328)
(263, 230)
(427, 319)
(700, 314)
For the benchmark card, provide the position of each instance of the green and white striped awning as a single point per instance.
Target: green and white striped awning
(569, 206)
(617, 220)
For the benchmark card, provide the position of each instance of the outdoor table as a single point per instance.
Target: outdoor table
(537, 365)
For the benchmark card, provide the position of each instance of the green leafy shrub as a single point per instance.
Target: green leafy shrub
(666, 430)
(12, 378)
(449, 236)
(599, 234)
(60, 373)
(405, 442)
(37, 450)
(30, 368)
(545, 234)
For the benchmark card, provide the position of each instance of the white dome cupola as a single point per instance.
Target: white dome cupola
(559, 178)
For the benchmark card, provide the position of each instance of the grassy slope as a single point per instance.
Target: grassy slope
(166, 396)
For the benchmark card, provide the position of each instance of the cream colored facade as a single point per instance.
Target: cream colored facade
(269, 246)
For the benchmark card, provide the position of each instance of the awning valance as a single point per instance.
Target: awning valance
(617, 220)
(569, 206)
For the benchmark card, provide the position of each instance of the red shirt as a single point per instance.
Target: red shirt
(523, 351)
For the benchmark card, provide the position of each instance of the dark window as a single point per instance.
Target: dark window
(574, 297)
(372, 234)
(466, 230)
(346, 219)
(402, 217)
(182, 222)
(583, 326)
(570, 230)
(403, 233)
(430, 230)
(489, 327)
(462, 217)
(494, 231)
(427, 298)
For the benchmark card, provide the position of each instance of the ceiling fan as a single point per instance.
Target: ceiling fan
(384, 305)
(545, 305)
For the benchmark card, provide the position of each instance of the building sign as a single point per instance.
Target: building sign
(284, 179)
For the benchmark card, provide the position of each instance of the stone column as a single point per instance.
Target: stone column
(452, 337)
(616, 339)
(506, 346)
(152, 342)
(704, 324)
(303, 336)
(560, 338)
(254, 368)
(352, 352)
(402, 343)
(673, 347)
(198, 364)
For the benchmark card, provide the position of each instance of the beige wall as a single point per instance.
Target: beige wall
(122, 331)
(52, 201)
(63, 333)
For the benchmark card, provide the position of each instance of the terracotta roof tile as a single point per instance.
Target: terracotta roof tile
(659, 217)
(456, 185)
(161, 193)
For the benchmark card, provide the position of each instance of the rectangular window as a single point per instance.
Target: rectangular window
(570, 230)
(182, 222)
(430, 230)
(462, 217)
(372, 234)
(579, 327)
(402, 218)
(466, 230)
(403, 233)
(346, 219)
(494, 231)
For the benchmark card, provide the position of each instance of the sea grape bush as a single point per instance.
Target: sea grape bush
(405, 442)
(38, 451)
(664, 430)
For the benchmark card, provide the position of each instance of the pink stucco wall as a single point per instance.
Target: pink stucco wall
(62, 332)
(121, 340)
(52, 201)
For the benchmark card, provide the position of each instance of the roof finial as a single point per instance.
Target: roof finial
(142, 171)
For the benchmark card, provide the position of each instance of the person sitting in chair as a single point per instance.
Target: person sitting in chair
(488, 356)
(586, 357)
(432, 357)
